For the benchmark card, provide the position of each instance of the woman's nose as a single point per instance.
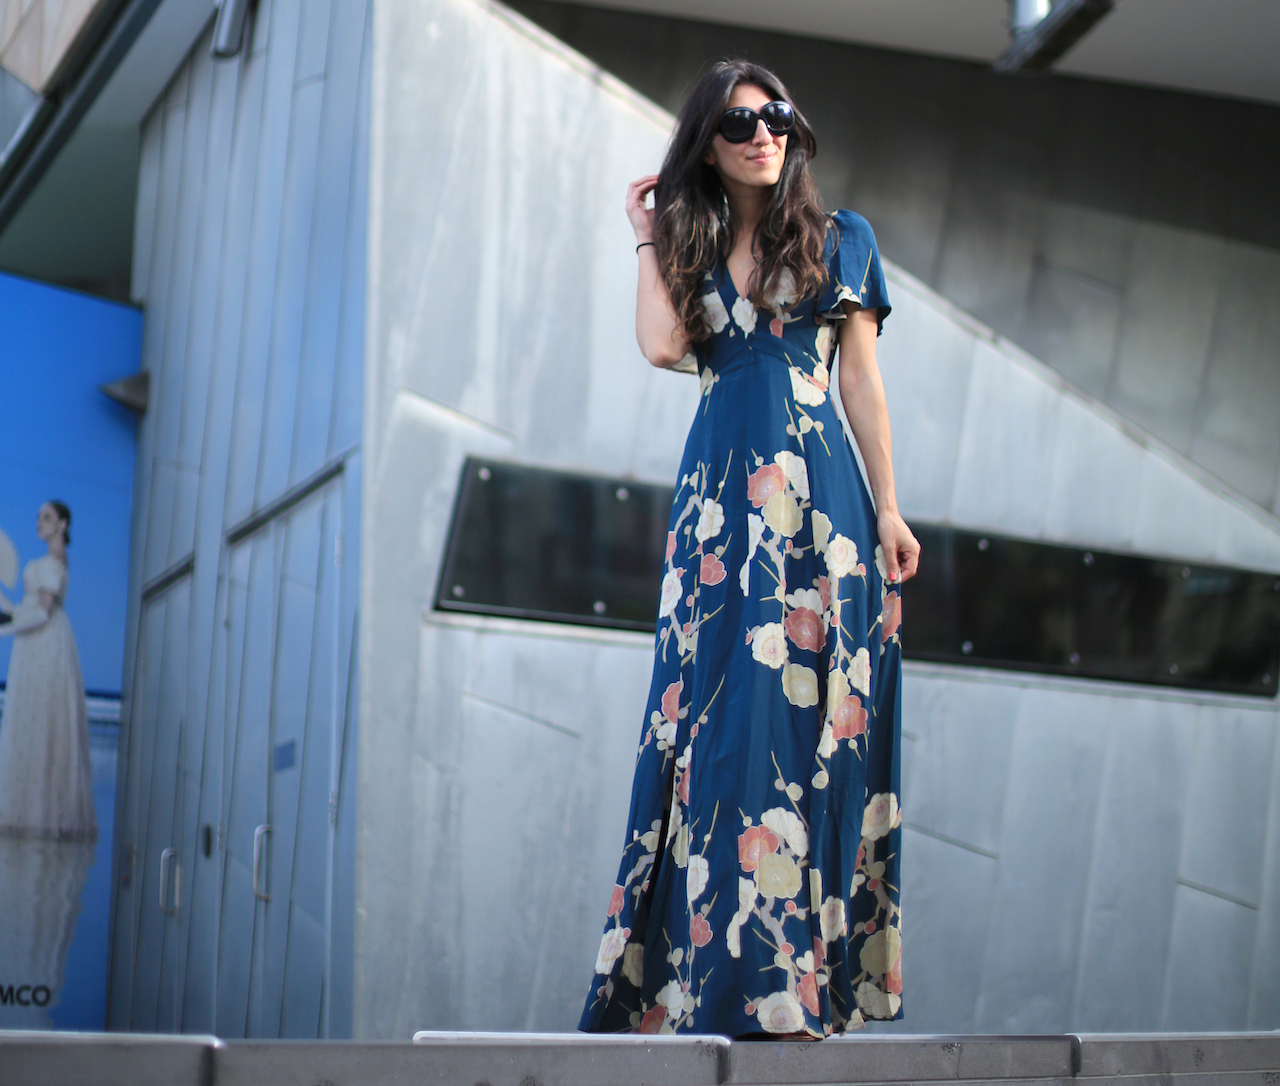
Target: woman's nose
(763, 135)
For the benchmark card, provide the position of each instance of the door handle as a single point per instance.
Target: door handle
(166, 857)
(259, 835)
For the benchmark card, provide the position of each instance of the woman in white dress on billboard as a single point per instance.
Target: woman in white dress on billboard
(46, 784)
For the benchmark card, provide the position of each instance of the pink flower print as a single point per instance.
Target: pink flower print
(893, 978)
(671, 545)
(824, 588)
(615, 902)
(699, 930)
(850, 719)
(763, 483)
(804, 627)
(807, 990)
(671, 701)
(682, 788)
(711, 571)
(891, 616)
(653, 1019)
(754, 843)
(775, 326)
(870, 928)
(819, 952)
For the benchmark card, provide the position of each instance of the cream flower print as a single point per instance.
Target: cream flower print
(778, 876)
(769, 645)
(860, 672)
(808, 598)
(707, 378)
(875, 1003)
(880, 816)
(710, 522)
(671, 590)
(717, 315)
(832, 919)
(881, 951)
(805, 390)
(822, 342)
(744, 315)
(800, 684)
(837, 691)
(841, 554)
(821, 531)
(696, 877)
(795, 470)
(680, 847)
(670, 997)
(880, 566)
(633, 964)
(611, 948)
(781, 1013)
(788, 826)
(782, 514)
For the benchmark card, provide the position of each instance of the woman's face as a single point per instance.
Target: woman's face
(758, 162)
(49, 525)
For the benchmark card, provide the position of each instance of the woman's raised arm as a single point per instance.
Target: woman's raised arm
(658, 331)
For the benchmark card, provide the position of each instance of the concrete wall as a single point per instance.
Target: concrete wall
(249, 256)
(495, 757)
(1130, 238)
(1080, 855)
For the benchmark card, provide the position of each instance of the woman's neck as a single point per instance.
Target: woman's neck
(58, 550)
(747, 205)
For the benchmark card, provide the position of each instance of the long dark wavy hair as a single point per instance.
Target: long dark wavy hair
(694, 227)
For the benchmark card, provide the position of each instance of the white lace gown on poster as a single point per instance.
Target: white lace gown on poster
(46, 783)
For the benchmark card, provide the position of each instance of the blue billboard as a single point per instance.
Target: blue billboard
(66, 484)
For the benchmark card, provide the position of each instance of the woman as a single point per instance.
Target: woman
(46, 784)
(758, 890)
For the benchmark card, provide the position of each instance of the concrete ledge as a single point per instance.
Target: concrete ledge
(77, 1059)
(905, 1059)
(529, 1059)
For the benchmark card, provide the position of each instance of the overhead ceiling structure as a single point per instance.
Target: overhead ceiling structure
(1202, 46)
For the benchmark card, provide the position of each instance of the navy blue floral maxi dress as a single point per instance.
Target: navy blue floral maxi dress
(758, 890)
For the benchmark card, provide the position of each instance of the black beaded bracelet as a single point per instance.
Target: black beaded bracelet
(643, 244)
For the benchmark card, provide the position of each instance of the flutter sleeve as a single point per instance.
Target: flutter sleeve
(853, 269)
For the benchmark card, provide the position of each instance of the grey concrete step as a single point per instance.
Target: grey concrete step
(513, 1059)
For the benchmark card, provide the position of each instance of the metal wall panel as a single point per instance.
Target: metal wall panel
(239, 239)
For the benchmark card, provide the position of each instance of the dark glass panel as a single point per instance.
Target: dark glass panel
(540, 544)
(532, 543)
(1000, 602)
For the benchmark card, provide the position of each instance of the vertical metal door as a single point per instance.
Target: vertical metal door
(149, 914)
(281, 717)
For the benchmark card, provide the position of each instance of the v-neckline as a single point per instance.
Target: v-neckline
(727, 278)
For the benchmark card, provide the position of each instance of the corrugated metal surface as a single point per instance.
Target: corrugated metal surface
(249, 258)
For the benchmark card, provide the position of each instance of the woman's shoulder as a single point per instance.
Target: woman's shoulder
(849, 224)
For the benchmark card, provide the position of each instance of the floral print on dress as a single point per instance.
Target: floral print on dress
(758, 886)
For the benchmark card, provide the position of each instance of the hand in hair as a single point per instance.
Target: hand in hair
(641, 217)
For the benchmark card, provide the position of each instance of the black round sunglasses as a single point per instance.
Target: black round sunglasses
(739, 125)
